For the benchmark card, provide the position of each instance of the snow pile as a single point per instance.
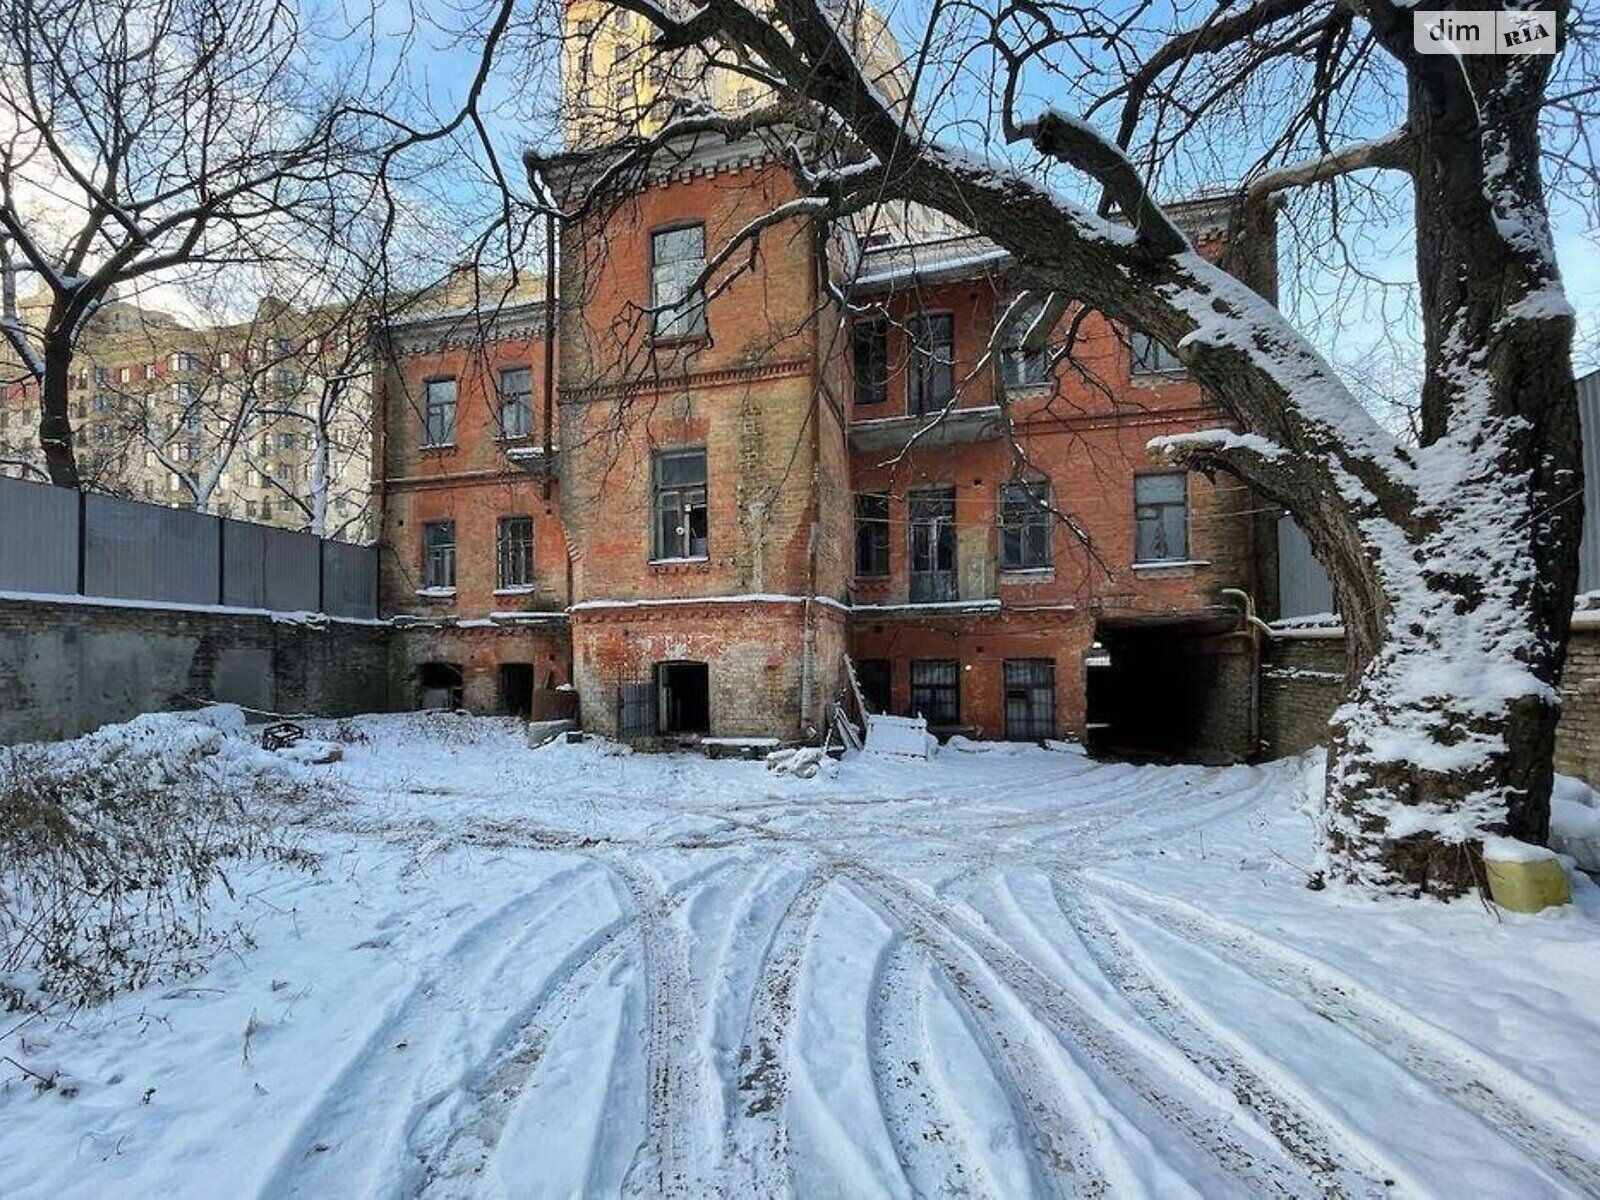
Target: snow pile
(1575, 823)
(111, 845)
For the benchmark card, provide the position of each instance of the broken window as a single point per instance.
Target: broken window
(1150, 357)
(439, 554)
(933, 544)
(870, 344)
(439, 412)
(680, 504)
(516, 402)
(872, 534)
(515, 552)
(933, 361)
(1025, 354)
(936, 690)
(677, 258)
(1161, 513)
(1025, 525)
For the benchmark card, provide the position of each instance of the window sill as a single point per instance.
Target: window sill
(679, 341)
(1163, 376)
(436, 447)
(436, 593)
(1176, 564)
(679, 564)
(1021, 575)
(521, 589)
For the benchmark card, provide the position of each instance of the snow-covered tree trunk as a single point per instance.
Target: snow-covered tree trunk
(1449, 731)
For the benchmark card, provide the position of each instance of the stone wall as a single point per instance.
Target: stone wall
(1302, 680)
(67, 668)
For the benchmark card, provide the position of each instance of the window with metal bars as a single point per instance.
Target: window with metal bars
(1030, 685)
(936, 690)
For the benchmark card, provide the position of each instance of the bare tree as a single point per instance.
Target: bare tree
(147, 138)
(1454, 554)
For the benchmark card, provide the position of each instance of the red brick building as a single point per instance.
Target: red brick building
(750, 485)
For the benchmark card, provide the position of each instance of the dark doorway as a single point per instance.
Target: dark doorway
(1172, 690)
(1030, 699)
(439, 685)
(684, 697)
(516, 689)
(873, 675)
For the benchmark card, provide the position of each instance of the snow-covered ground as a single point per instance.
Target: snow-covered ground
(568, 971)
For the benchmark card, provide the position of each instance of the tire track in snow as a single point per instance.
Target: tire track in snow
(475, 1134)
(958, 945)
(757, 1138)
(673, 1158)
(1334, 1169)
(931, 1151)
(1541, 1124)
(1060, 1160)
(346, 1122)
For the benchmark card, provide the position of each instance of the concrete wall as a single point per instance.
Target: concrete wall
(69, 668)
(1302, 680)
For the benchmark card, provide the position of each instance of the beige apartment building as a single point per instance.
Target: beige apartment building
(264, 420)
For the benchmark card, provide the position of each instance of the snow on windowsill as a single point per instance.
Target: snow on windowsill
(699, 560)
(1028, 575)
(436, 447)
(524, 589)
(1175, 564)
(437, 593)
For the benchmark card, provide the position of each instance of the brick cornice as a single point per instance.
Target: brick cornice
(722, 377)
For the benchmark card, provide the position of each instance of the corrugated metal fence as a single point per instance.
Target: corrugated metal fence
(59, 542)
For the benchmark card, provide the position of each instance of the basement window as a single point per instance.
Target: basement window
(439, 685)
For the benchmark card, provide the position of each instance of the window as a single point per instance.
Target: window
(870, 341)
(515, 552)
(516, 402)
(936, 690)
(872, 534)
(439, 413)
(1150, 357)
(1025, 359)
(677, 257)
(747, 97)
(1161, 513)
(680, 487)
(286, 441)
(183, 361)
(933, 372)
(1025, 525)
(933, 545)
(124, 374)
(225, 360)
(439, 554)
(1030, 699)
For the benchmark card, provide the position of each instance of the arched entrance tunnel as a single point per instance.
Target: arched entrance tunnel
(1172, 688)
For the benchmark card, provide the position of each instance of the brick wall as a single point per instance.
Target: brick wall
(1302, 680)
(69, 668)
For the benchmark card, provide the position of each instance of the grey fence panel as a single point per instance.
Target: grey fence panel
(144, 552)
(269, 568)
(38, 537)
(349, 580)
(244, 563)
(1589, 423)
(1304, 588)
